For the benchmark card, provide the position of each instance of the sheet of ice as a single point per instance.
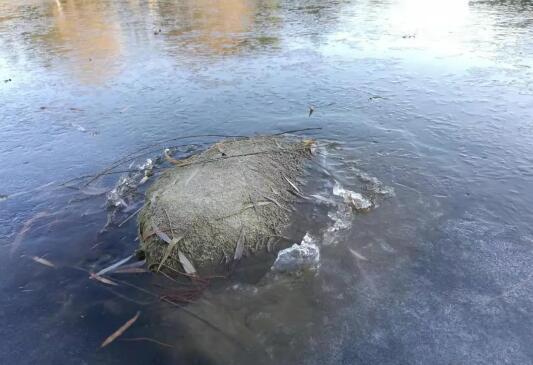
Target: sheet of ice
(298, 257)
(120, 195)
(342, 220)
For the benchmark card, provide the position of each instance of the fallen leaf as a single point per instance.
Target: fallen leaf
(277, 203)
(42, 261)
(136, 264)
(240, 246)
(270, 244)
(187, 265)
(25, 228)
(293, 185)
(257, 204)
(102, 279)
(169, 249)
(161, 234)
(120, 331)
(147, 339)
(114, 266)
(322, 199)
(147, 233)
(130, 270)
(358, 255)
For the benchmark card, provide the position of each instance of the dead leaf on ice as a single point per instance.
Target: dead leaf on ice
(121, 330)
(42, 261)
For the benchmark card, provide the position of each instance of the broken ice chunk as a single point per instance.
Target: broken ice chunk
(355, 200)
(298, 257)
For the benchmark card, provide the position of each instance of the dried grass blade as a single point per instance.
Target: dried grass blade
(295, 193)
(130, 216)
(168, 251)
(148, 339)
(322, 199)
(102, 279)
(292, 184)
(114, 266)
(25, 228)
(357, 255)
(136, 264)
(191, 177)
(277, 203)
(121, 330)
(42, 261)
(161, 234)
(130, 270)
(257, 204)
(147, 233)
(187, 265)
(239, 249)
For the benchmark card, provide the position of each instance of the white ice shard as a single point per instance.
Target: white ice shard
(298, 257)
(355, 200)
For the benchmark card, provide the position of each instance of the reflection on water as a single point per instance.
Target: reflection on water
(86, 36)
(215, 27)
(79, 37)
(430, 98)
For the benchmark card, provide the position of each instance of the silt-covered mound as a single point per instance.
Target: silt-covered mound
(231, 200)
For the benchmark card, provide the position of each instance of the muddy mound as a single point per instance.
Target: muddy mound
(231, 200)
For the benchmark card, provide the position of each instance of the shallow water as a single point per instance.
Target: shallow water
(432, 98)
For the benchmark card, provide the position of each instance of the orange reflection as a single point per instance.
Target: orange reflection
(218, 25)
(88, 36)
(222, 22)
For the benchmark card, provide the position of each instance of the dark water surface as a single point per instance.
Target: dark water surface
(433, 98)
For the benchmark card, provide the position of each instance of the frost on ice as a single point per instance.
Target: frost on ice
(298, 257)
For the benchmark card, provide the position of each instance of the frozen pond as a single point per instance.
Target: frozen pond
(429, 102)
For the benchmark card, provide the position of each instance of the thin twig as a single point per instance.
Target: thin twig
(125, 297)
(241, 155)
(277, 203)
(147, 339)
(169, 223)
(297, 130)
(107, 173)
(131, 216)
(130, 156)
(123, 160)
